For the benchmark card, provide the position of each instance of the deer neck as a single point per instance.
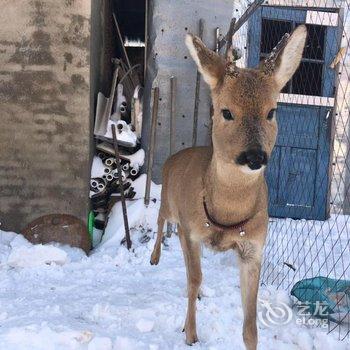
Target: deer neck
(230, 194)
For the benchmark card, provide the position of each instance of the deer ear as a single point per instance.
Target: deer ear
(288, 58)
(209, 63)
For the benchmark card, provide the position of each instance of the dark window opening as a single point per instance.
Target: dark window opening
(314, 47)
(308, 78)
(131, 19)
(272, 32)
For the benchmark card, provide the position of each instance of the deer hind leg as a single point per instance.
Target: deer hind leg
(250, 266)
(158, 245)
(191, 251)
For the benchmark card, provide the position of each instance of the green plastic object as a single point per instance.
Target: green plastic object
(91, 224)
(324, 297)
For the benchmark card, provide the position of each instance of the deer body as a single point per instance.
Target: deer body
(192, 175)
(218, 195)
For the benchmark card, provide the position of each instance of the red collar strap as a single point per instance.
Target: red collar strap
(212, 222)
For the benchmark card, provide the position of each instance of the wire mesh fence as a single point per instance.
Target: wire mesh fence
(309, 172)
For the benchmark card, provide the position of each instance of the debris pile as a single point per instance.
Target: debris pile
(123, 109)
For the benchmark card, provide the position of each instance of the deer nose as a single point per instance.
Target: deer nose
(254, 158)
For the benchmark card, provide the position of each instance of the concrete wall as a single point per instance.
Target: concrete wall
(44, 109)
(169, 21)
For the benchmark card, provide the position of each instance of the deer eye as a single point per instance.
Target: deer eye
(272, 114)
(227, 114)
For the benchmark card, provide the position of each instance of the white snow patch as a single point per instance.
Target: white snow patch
(36, 255)
(126, 134)
(125, 343)
(137, 159)
(97, 167)
(207, 291)
(3, 316)
(100, 343)
(115, 300)
(138, 215)
(144, 325)
(139, 187)
(42, 338)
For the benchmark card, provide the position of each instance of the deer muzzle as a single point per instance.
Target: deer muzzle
(253, 158)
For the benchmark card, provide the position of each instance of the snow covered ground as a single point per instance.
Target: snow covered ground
(54, 297)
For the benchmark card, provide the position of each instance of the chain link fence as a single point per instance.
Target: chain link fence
(309, 173)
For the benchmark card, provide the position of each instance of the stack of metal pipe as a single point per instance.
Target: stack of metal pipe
(127, 117)
(105, 189)
(122, 110)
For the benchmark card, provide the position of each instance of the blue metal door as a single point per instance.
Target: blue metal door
(298, 175)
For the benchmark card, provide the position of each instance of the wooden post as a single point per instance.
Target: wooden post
(196, 97)
(121, 188)
(172, 113)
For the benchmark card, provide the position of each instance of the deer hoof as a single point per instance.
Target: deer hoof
(191, 339)
(191, 336)
(154, 259)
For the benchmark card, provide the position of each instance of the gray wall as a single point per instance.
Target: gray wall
(169, 21)
(44, 109)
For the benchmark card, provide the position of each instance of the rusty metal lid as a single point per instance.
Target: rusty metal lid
(61, 228)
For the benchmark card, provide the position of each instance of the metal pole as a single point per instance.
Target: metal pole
(169, 227)
(229, 36)
(217, 39)
(121, 188)
(146, 43)
(235, 26)
(196, 97)
(121, 41)
(113, 88)
(172, 113)
(151, 145)
(125, 54)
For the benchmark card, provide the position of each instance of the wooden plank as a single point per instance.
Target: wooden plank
(306, 100)
(308, 4)
(322, 18)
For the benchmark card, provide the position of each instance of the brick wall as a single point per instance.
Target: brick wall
(44, 109)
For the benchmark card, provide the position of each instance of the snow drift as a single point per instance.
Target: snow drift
(54, 297)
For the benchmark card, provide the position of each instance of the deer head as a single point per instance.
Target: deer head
(245, 100)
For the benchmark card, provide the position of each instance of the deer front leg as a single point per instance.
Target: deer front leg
(250, 266)
(191, 251)
(158, 245)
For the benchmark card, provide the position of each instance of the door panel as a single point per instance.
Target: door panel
(297, 183)
(297, 175)
(298, 126)
(298, 171)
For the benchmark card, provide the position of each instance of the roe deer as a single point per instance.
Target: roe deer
(218, 195)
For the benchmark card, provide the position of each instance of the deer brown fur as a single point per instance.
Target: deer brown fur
(229, 176)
